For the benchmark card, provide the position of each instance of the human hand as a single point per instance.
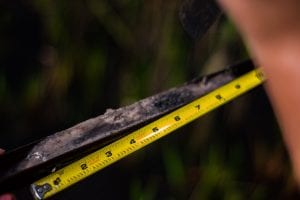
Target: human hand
(266, 22)
(6, 196)
(271, 29)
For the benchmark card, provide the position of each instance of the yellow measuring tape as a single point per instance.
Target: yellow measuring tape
(67, 176)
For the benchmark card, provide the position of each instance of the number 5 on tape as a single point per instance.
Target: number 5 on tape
(104, 157)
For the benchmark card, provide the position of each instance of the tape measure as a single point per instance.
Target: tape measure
(73, 173)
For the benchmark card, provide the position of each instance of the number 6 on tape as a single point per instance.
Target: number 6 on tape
(113, 152)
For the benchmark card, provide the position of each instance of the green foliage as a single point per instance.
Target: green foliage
(65, 61)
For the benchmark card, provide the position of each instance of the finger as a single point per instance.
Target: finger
(271, 29)
(2, 151)
(7, 197)
(264, 20)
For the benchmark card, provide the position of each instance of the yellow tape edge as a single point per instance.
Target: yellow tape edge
(92, 163)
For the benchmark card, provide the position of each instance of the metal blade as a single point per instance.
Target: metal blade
(31, 162)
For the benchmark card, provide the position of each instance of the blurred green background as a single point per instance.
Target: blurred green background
(62, 62)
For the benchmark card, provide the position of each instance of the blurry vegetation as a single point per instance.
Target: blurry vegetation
(62, 62)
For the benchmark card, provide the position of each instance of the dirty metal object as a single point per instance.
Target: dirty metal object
(197, 16)
(35, 160)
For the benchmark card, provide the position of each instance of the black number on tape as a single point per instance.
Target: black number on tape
(177, 118)
(155, 129)
(83, 166)
(57, 181)
(108, 154)
(237, 86)
(132, 141)
(219, 97)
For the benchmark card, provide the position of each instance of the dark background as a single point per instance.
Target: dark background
(62, 62)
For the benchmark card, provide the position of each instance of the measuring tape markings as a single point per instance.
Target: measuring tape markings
(113, 152)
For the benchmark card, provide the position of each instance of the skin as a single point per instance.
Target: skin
(271, 30)
(6, 196)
